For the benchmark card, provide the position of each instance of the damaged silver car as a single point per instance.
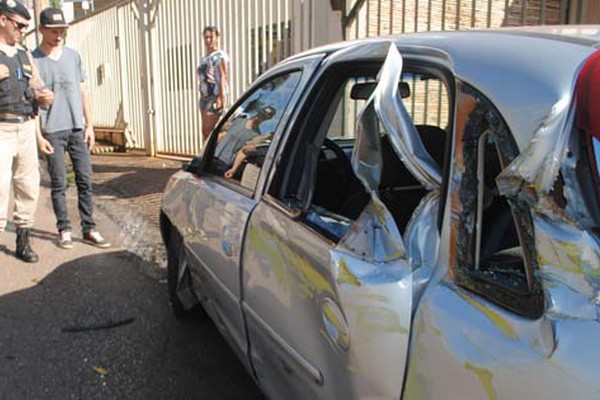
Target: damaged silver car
(409, 217)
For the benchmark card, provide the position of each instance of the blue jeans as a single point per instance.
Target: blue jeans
(73, 142)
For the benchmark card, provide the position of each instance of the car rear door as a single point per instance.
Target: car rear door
(510, 313)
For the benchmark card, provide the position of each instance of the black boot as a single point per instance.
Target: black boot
(24, 251)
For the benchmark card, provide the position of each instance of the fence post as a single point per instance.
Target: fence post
(146, 12)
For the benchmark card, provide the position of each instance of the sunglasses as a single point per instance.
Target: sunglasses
(19, 25)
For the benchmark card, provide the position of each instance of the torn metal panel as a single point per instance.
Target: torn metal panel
(377, 301)
(569, 260)
(366, 156)
(539, 163)
(373, 273)
(422, 236)
(399, 126)
(422, 240)
(374, 236)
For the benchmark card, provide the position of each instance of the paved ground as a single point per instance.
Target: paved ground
(56, 339)
(128, 187)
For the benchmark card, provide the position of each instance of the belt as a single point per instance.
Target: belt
(14, 118)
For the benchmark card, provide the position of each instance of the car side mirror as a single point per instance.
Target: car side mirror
(195, 166)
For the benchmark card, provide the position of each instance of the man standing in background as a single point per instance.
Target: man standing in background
(66, 127)
(21, 92)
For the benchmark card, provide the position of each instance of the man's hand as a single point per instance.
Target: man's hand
(229, 173)
(44, 97)
(45, 146)
(89, 137)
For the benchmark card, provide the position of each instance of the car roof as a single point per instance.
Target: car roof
(525, 71)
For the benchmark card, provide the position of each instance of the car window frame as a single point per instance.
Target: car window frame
(289, 151)
(209, 150)
(467, 273)
(413, 64)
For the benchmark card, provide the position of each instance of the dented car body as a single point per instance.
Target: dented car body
(415, 217)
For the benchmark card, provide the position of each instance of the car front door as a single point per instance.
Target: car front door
(328, 297)
(220, 203)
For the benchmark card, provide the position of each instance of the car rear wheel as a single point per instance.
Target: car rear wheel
(179, 280)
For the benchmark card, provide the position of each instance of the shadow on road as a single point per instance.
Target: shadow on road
(130, 181)
(55, 342)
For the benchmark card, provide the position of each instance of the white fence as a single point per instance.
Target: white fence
(141, 55)
(141, 59)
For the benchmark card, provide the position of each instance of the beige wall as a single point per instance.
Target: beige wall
(381, 17)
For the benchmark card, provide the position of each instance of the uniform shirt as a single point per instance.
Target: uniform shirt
(11, 51)
(64, 77)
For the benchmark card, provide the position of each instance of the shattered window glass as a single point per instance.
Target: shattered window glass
(318, 163)
(495, 256)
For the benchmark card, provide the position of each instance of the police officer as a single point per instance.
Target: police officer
(21, 92)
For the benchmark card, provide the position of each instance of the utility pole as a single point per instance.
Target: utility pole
(145, 12)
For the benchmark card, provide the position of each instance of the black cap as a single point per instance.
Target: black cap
(14, 7)
(53, 18)
(267, 112)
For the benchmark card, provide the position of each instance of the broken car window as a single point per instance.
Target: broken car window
(495, 253)
(326, 144)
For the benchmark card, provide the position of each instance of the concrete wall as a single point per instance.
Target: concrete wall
(381, 17)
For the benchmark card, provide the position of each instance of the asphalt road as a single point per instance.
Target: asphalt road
(89, 324)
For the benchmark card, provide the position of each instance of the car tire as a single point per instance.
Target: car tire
(175, 261)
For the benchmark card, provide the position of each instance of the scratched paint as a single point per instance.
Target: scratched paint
(485, 378)
(490, 314)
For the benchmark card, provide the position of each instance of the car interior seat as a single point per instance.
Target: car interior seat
(399, 190)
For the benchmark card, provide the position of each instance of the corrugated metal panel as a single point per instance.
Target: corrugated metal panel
(130, 70)
(96, 41)
(254, 43)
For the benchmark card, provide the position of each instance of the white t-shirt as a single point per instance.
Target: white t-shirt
(209, 72)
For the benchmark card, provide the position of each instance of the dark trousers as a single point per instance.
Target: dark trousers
(72, 142)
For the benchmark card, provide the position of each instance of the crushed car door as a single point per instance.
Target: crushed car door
(514, 314)
(330, 317)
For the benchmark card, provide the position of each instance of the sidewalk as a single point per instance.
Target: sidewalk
(128, 188)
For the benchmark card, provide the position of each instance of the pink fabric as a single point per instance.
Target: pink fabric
(588, 96)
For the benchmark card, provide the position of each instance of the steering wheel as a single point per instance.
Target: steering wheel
(340, 156)
(335, 177)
